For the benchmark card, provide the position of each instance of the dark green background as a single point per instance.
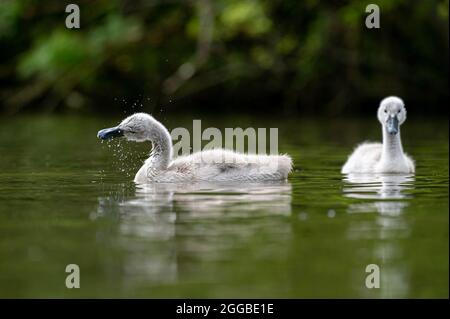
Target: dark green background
(280, 56)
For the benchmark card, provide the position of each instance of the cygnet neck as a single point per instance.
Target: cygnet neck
(392, 145)
(161, 153)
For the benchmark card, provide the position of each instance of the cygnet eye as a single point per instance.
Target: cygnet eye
(385, 111)
(399, 111)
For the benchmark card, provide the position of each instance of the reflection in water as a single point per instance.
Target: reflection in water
(387, 196)
(158, 215)
(378, 186)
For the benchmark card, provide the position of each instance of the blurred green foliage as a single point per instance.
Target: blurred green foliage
(286, 56)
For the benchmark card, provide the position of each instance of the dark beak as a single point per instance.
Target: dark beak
(108, 133)
(392, 125)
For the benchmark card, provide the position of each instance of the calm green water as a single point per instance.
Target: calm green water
(66, 198)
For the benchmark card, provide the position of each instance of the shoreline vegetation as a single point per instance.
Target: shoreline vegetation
(221, 56)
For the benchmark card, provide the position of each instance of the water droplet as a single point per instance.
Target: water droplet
(331, 213)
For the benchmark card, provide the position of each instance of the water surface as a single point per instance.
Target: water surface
(67, 198)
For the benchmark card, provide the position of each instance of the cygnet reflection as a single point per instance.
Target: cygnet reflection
(387, 197)
(389, 191)
(205, 215)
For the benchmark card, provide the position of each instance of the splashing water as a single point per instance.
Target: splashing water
(125, 157)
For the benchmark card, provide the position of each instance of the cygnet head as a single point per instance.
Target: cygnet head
(136, 127)
(392, 114)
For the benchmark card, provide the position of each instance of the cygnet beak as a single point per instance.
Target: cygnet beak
(392, 125)
(108, 133)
